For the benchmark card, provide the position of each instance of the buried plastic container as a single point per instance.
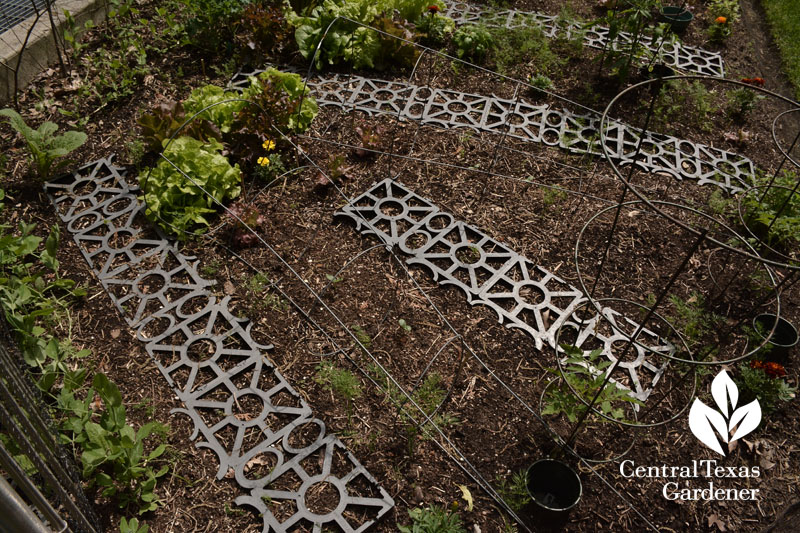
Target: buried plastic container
(677, 17)
(783, 339)
(553, 486)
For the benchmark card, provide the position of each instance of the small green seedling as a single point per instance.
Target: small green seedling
(44, 145)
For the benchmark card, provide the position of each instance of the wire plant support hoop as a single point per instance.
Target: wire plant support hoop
(653, 84)
(581, 324)
(613, 457)
(790, 262)
(665, 208)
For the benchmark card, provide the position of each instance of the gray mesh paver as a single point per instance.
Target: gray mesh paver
(687, 58)
(577, 133)
(211, 361)
(523, 295)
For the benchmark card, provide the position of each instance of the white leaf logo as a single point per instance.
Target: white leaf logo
(710, 425)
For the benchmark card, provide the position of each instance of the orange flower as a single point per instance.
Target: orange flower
(774, 370)
(721, 20)
(754, 81)
(433, 8)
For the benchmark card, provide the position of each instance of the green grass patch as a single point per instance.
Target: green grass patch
(784, 21)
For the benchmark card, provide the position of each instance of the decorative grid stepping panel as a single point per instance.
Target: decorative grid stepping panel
(523, 295)
(528, 122)
(687, 58)
(261, 430)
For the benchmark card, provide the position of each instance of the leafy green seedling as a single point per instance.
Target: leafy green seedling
(340, 381)
(132, 526)
(113, 456)
(586, 374)
(433, 519)
(44, 145)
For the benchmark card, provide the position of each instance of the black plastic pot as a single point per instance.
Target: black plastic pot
(554, 487)
(783, 339)
(677, 17)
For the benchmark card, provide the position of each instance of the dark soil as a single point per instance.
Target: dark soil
(505, 188)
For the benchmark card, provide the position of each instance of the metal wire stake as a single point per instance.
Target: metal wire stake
(571, 439)
(780, 166)
(624, 193)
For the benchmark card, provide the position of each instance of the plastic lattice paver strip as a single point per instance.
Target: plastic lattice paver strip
(524, 296)
(686, 58)
(12, 12)
(241, 407)
(519, 119)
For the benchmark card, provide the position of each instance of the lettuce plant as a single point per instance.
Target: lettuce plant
(174, 200)
(285, 99)
(165, 120)
(221, 115)
(347, 41)
(263, 30)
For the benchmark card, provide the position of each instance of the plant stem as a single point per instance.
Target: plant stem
(571, 439)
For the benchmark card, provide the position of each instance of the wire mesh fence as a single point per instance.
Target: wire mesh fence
(42, 471)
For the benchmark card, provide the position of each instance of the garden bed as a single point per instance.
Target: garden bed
(533, 199)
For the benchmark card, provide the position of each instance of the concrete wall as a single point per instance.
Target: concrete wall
(40, 51)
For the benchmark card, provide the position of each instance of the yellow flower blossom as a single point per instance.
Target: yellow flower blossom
(263, 161)
(268, 145)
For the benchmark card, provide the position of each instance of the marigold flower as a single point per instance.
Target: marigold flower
(268, 145)
(721, 20)
(754, 81)
(433, 8)
(263, 161)
(774, 370)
